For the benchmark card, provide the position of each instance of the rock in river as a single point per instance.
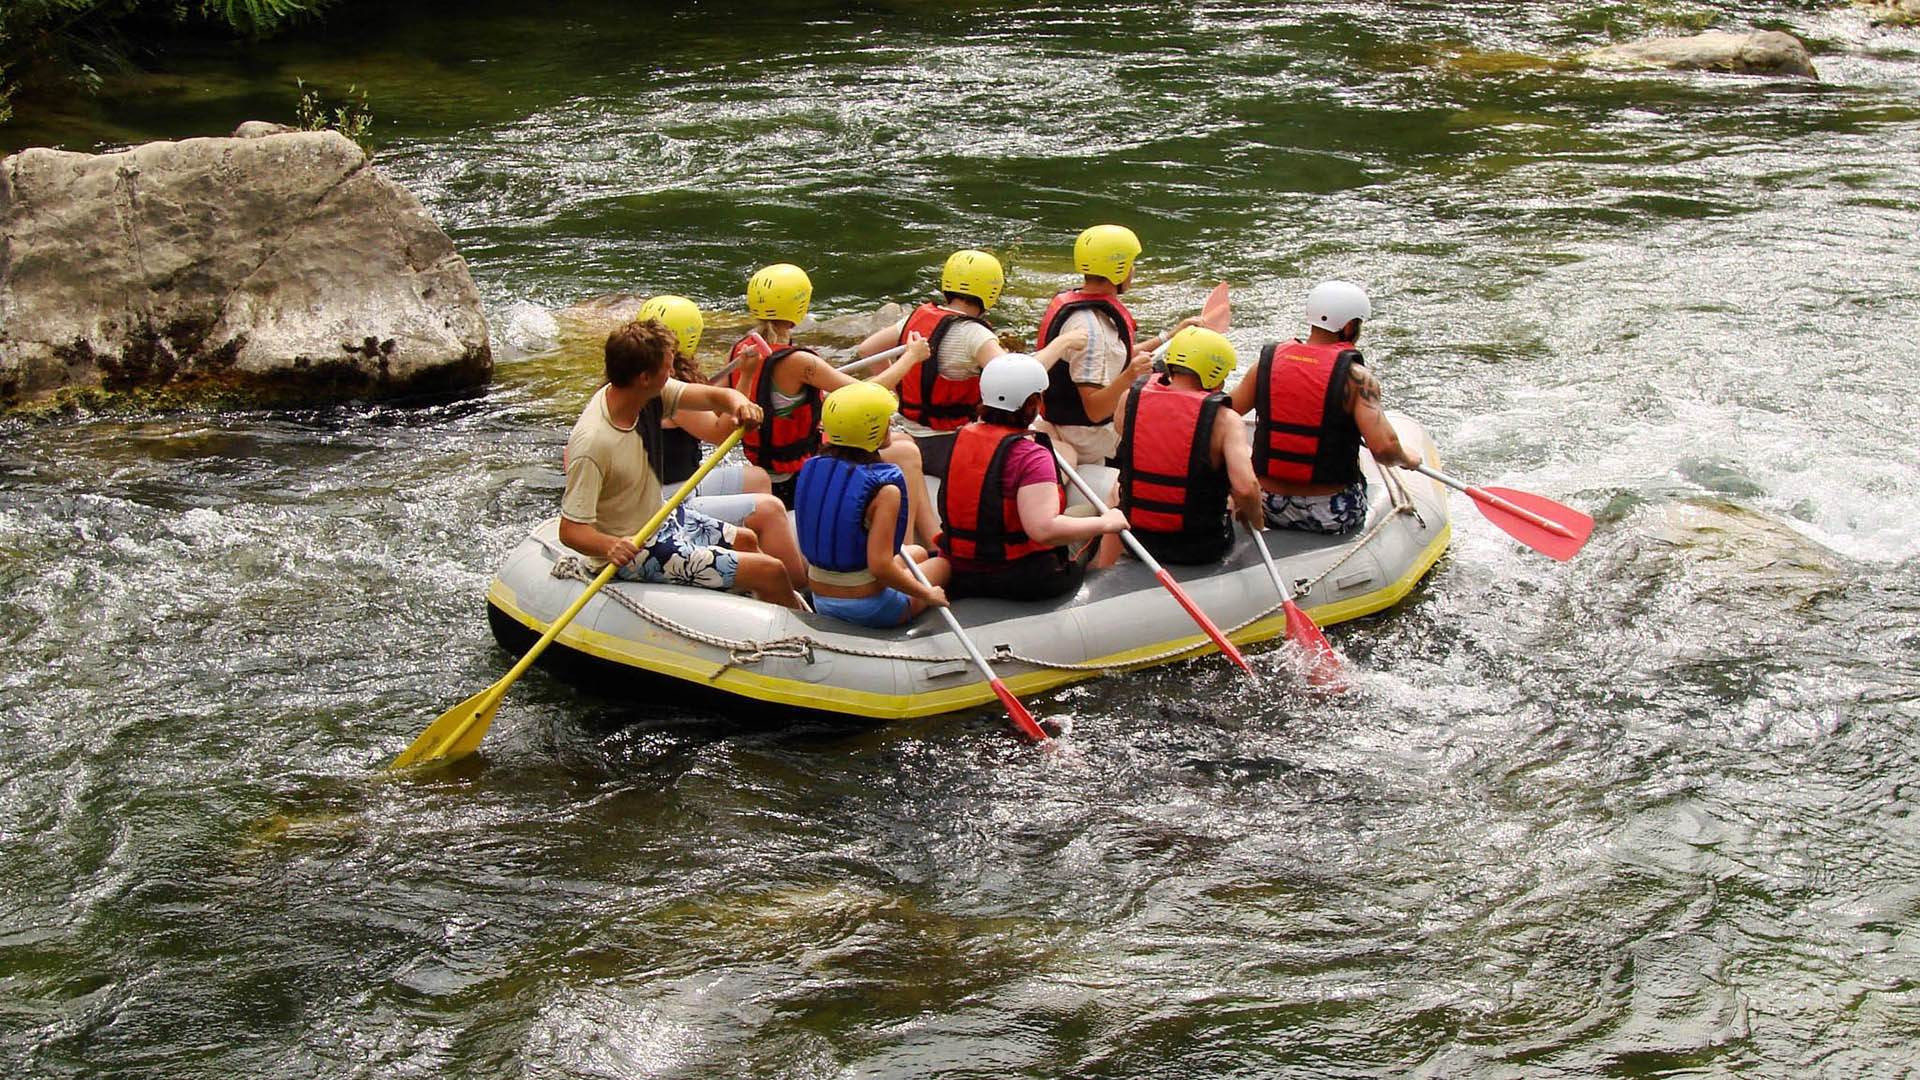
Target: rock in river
(1766, 52)
(1891, 12)
(280, 268)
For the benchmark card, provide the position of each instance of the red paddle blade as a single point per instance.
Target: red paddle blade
(1324, 666)
(1022, 719)
(1560, 533)
(1217, 314)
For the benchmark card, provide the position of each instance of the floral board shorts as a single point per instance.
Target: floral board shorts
(1341, 512)
(690, 549)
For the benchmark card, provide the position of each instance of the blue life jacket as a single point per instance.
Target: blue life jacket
(830, 505)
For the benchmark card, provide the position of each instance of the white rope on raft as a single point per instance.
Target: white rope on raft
(802, 646)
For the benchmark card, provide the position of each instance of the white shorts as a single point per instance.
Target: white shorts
(1092, 445)
(721, 495)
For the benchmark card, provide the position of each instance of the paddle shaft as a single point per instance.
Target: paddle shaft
(485, 705)
(1491, 499)
(1022, 719)
(753, 337)
(864, 361)
(1273, 571)
(1160, 572)
(1300, 626)
(843, 368)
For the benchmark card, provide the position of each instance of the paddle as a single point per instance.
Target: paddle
(885, 354)
(1160, 572)
(1022, 719)
(759, 342)
(755, 341)
(1548, 527)
(1216, 314)
(459, 730)
(1325, 670)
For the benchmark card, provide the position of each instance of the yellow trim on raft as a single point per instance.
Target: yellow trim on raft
(748, 684)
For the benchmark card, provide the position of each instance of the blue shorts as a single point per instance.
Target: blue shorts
(690, 549)
(888, 607)
(1341, 512)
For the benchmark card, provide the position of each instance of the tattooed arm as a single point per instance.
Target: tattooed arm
(1363, 401)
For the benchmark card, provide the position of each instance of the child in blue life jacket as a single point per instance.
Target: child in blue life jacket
(851, 511)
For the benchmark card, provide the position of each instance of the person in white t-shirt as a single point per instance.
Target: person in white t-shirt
(939, 396)
(1083, 393)
(611, 490)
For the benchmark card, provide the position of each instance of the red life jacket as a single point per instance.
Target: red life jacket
(1305, 434)
(981, 520)
(926, 396)
(781, 444)
(1168, 481)
(1064, 406)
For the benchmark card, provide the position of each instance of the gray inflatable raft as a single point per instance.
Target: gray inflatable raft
(695, 643)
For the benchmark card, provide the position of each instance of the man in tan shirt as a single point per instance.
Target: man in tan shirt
(611, 490)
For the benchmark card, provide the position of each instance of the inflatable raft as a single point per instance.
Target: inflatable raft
(675, 643)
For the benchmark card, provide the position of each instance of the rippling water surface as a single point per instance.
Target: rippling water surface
(1655, 812)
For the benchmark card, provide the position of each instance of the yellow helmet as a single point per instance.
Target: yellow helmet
(1106, 251)
(973, 273)
(1206, 353)
(857, 415)
(779, 292)
(678, 314)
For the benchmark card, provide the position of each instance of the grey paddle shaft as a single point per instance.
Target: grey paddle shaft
(1493, 500)
(843, 368)
(874, 359)
(1280, 583)
(1428, 470)
(953, 624)
(1086, 493)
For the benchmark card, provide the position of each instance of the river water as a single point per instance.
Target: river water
(1655, 812)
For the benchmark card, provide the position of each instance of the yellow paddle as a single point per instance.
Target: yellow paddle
(459, 730)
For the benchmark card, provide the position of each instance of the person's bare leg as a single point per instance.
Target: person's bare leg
(764, 577)
(1111, 545)
(774, 532)
(938, 570)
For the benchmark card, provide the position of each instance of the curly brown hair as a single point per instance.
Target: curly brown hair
(638, 348)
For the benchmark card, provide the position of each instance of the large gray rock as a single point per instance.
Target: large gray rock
(1765, 52)
(279, 269)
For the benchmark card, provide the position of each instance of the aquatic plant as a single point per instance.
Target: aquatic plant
(351, 117)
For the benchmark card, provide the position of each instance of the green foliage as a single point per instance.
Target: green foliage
(351, 117)
(66, 41)
(257, 17)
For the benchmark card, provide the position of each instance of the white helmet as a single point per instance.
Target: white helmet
(1333, 304)
(1009, 380)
